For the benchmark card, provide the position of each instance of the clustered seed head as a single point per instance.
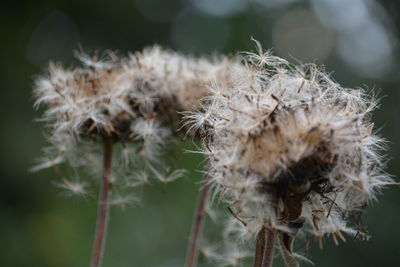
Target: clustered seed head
(290, 148)
(132, 99)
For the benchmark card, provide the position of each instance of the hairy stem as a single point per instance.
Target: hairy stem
(197, 225)
(103, 205)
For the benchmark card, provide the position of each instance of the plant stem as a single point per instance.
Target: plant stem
(103, 205)
(265, 247)
(260, 245)
(268, 254)
(286, 245)
(197, 226)
(266, 239)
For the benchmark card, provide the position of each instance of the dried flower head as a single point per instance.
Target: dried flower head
(133, 100)
(290, 149)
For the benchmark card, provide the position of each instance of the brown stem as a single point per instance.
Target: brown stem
(260, 245)
(265, 246)
(268, 254)
(197, 226)
(103, 205)
(266, 239)
(286, 245)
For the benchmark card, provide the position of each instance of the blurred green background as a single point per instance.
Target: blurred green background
(356, 40)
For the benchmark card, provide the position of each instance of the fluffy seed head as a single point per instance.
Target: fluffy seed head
(133, 99)
(290, 148)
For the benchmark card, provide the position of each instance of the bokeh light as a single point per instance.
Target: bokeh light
(52, 39)
(195, 32)
(363, 41)
(294, 34)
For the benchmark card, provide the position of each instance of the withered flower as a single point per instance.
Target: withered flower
(135, 98)
(292, 153)
(132, 102)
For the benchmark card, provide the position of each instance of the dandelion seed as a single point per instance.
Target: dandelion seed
(123, 201)
(73, 188)
(210, 251)
(139, 178)
(47, 163)
(168, 177)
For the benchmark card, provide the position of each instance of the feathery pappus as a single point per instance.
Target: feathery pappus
(135, 100)
(290, 149)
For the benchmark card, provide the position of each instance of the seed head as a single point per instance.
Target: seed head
(290, 148)
(134, 100)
